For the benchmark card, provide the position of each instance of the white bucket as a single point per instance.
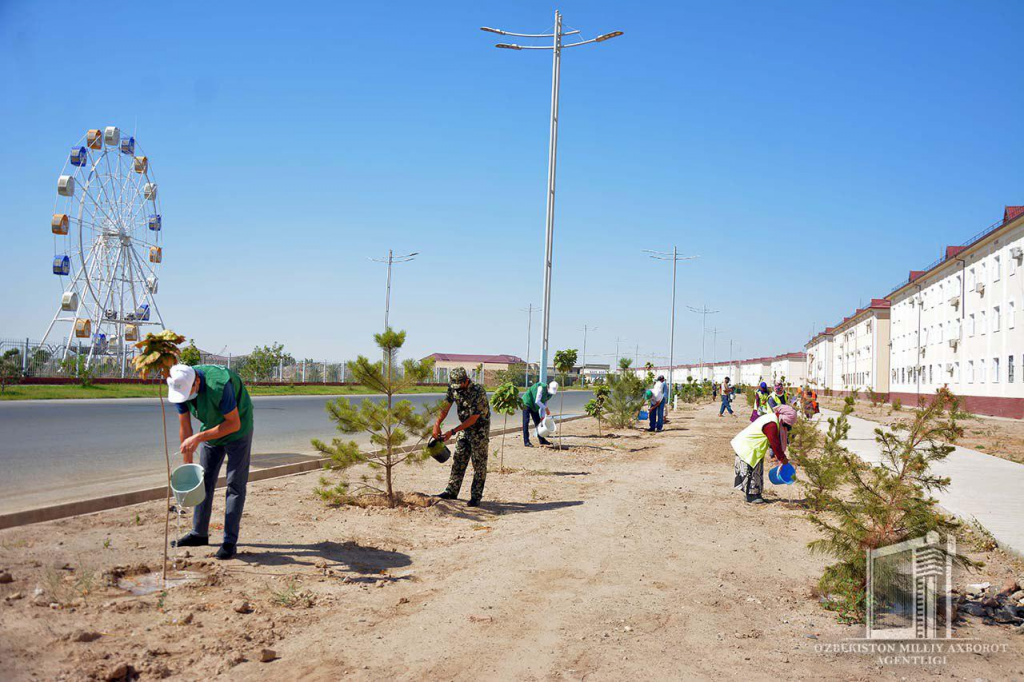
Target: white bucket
(187, 485)
(546, 428)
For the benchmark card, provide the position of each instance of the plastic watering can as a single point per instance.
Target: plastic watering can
(187, 485)
(546, 428)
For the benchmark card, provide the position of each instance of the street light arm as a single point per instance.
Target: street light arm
(599, 39)
(525, 35)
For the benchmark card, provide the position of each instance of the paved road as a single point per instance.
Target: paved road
(981, 486)
(63, 450)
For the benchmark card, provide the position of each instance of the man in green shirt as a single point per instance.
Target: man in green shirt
(216, 397)
(536, 400)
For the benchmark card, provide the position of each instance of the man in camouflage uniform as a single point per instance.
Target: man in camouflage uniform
(474, 432)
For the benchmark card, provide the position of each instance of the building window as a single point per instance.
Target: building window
(995, 370)
(972, 279)
(1009, 369)
(1013, 265)
(970, 371)
(997, 268)
(970, 324)
(995, 319)
(941, 339)
(1010, 308)
(982, 325)
(931, 374)
(981, 371)
(956, 372)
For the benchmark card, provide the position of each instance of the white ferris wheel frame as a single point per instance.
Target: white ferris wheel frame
(110, 214)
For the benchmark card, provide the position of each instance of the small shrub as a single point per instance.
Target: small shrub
(897, 405)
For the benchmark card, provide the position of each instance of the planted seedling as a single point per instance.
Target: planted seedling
(506, 401)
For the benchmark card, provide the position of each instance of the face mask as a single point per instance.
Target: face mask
(193, 396)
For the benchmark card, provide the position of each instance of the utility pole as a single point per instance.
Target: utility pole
(675, 258)
(556, 51)
(583, 367)
(390, 260)
(703, 311)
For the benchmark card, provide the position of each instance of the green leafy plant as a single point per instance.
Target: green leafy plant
(261, 363)
(564, 361)
(872, 506)
(505, 400)
(897, 405)
(190, 355)
(79, 367)
(10, 369)
(388, 422)
(157, 354)
(597, 407)
(515, 374)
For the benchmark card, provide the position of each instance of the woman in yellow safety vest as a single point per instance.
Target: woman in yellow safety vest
(765, 436)
(761, 407)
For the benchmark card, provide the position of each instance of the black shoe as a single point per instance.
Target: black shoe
(544, 441)
(755, 499)
(447, 496)
(191, 540)
(226, 551)
(473, 502)
(528, 444)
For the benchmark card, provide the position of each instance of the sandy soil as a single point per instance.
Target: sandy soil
(996, 436)
(618, 558)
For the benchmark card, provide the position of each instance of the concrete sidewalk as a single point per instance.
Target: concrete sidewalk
(981, 487)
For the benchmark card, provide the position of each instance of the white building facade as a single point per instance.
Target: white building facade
(957, 324)
(819, 360)
(860, 350)
(791, 367)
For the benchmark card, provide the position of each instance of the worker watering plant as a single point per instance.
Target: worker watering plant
(765, 436)
(535, 408)
(473, 434)
(656, 413)
(216, 397)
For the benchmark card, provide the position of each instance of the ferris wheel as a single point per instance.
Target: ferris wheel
(106, 229)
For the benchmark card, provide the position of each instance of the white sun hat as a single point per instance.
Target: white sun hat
(179, 383)
(553, 387)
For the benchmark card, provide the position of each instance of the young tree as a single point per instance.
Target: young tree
(625, 364)
(78, 366)
(157, 354)
(262, 362)
(872, 506)
(505, 400)
(515, 374)
(10, 369)
(190, 355)
(821, 461)
(565, 360)
(625, 399)
(389, 423)
(597, 406)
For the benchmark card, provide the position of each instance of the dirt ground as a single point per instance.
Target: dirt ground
(627, 557)
(996, 436)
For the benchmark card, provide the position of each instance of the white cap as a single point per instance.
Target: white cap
(179, 383)
(553, 387)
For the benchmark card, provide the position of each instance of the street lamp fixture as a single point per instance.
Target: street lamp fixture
(556, 51)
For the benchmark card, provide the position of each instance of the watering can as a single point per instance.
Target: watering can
(187, 485)
(546, 428)
(438, 450)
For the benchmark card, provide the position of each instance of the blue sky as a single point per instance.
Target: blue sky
(811, 152)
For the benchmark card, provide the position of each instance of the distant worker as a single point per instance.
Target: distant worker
(727, 391)
(778, 396)
(474, 432)
(761, 407)
(766, 436)
(656, 413)
(811, 403)
(535, 407)
(216, 397)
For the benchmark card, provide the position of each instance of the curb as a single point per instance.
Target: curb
(98, 504)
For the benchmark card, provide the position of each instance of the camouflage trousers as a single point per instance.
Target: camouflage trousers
(469, 446)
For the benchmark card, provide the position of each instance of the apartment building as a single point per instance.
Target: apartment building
(860, 350)
(791, 367)
(955, 323)
(819, 359)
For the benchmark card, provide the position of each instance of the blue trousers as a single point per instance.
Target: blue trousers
(656, 417)
(529, 414)
(211, 457)
(726, 405)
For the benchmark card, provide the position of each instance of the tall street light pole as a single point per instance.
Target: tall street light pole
(675, 258)
(556, 50)
(703, 311)
(391, 260)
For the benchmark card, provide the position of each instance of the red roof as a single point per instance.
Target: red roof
(952, 251)
(476, 359)
(880, 303)
(1012, 213)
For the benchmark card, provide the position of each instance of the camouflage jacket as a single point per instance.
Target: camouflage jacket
(470, 401)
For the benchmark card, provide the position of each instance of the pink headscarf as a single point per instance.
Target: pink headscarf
(786, 414)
